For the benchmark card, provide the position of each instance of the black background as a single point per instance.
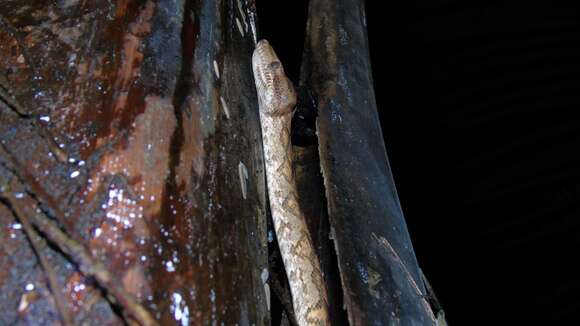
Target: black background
(478, 103)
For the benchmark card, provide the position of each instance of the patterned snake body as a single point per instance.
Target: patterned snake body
(277, 99)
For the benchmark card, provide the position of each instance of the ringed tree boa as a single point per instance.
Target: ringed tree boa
(277, 99)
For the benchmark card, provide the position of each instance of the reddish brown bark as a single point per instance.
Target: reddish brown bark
(115, 124)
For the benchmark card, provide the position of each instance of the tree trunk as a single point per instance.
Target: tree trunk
(133, 127)
(381, 280)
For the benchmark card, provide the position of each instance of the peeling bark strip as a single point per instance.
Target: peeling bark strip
(362, 200)
(117, 123)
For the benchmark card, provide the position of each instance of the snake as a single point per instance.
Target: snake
(276, 100)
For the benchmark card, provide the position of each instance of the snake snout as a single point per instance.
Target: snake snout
(262, 42)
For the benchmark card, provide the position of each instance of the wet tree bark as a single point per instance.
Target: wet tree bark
(132, 127)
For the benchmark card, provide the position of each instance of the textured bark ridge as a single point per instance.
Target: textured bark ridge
(277, 99)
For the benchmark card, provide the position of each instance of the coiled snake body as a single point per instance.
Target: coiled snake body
(277, 99)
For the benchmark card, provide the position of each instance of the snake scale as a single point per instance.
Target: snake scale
(277, 98)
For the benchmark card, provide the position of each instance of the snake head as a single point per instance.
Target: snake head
(275, 91)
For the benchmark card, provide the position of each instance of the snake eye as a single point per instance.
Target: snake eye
(275, 65)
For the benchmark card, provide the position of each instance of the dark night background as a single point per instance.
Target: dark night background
(478, 105)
